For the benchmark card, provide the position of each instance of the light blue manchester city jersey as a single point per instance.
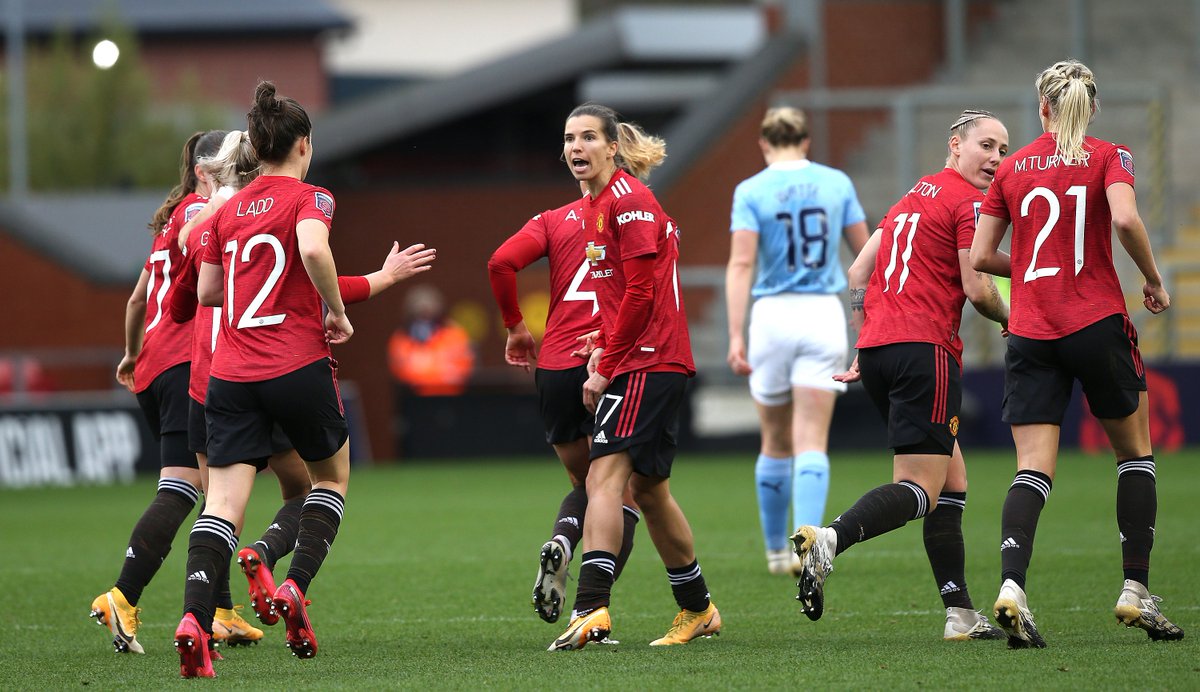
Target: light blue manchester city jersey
(798, 209)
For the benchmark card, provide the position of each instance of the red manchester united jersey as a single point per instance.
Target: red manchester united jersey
(272, 322)
(574, 308)
(916, 292)
(1063, 277)
(206, 321)
(165, 343)
(624, 222)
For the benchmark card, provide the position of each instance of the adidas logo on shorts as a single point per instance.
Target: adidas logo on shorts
(600, 438)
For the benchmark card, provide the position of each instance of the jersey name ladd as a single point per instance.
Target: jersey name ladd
(255, 206)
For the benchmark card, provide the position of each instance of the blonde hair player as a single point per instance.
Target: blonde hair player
(1065, 194)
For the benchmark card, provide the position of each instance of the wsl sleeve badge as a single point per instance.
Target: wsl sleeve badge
(1126, 160)
(325, 204)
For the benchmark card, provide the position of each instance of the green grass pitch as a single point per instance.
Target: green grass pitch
(428, 587)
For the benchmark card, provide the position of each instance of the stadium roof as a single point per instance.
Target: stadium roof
(173, 17)
(643, 36)
(101, 235)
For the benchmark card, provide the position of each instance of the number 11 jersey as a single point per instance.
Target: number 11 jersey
(272, 321)
(915, 293)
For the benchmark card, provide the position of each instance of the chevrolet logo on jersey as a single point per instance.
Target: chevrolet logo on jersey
(594, 253)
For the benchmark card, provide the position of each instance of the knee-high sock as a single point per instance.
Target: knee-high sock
(319, 522)
(568, 525)
(150, 542)
(1018, 523)
(280, 537)
(810, 488)
(944, 545)
(883, 509)
(1137, 509)
(631, 517)
(773, 481)
(597, 571)
(210, 547)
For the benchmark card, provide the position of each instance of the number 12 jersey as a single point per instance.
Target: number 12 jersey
(272, 317)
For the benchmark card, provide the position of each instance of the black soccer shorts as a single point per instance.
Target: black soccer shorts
(560, 398)
(639, 413)
(917, 387)
(1040, 373)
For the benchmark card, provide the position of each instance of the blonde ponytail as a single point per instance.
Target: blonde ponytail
(638, 152)
(1069, 87)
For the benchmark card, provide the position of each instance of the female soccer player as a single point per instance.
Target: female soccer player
(787, 220)
(1064, 194)
(231, 169)
(269, 265)
(155, 368)
(911, 281)
(638, 374)
(560, 373)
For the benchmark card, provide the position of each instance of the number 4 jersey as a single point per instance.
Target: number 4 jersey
(915, 293)
(272, 318)
(1062, 266)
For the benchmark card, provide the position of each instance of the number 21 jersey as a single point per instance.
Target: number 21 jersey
(272, 321)
(1062, 266)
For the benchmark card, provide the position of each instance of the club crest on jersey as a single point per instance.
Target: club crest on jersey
(325, 204)
(954, 426)
(1126, 160)
(594, 253)
(600, 222)
(192, 209)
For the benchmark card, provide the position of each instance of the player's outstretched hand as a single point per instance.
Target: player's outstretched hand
(406, 263)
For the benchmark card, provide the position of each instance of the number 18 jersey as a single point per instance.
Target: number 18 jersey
(1063, 277)
(798, 209)
(272, 322)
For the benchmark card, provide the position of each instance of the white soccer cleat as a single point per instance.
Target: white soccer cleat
(815, 546)
(1137, 607)
(1013, 615)
(550, 589)
(964, 624)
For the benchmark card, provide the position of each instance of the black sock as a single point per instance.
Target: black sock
(152, 535)
(1137, 509)
(210, 547)
(223, 597)
(883, 509)
(280, 537)
(687, 584)
(631, 517)
(569, 522)
(319, 521)
(944, 546)
(1018, 523)
(596, 571)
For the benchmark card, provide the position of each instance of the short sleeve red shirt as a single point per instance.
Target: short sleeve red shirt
(166, 341)
(1063, 278)
(272, 320)
(626, 221)
(207, 320)
(916, 292)
(574, 308)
